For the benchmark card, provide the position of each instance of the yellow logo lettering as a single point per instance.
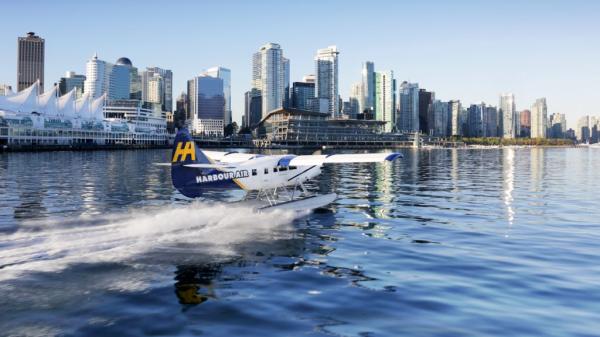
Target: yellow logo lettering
(181, 152)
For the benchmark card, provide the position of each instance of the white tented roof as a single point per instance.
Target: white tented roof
(51, 105)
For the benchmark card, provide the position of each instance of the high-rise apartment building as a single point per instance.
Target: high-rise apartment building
(326, 80)
(539, 118)
(225, 75)
(508, 116)
(71, 81)
(408, 110)
(270, 70)
(30, 61)
(385, 99)
(455, 124)
(207, 105)
(367, 86)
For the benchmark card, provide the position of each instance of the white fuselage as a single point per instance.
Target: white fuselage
(263, 172)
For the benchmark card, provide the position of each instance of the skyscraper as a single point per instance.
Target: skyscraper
(207, 105)
(225, 75)
(425, 100)
(30, 61)
(354, 100)
(151, 77)
(104, 77)
(408, 114)
(385, 99)
(475, 127)
(269, 73)
(326, 81)
(525, 123)
(303, 95)
(71, 81)
(490, 121)
(508, 116)
(558, 125)
(438, 119)
(367, 88)
(539, 118)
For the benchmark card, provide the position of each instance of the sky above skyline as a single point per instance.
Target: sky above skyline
(467, 50)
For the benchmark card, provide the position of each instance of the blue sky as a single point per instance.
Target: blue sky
(467, 50)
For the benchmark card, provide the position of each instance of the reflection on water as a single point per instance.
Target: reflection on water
(441, 242)
(508, 174)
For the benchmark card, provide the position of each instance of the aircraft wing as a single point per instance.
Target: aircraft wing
(320, 160)
(228, 157)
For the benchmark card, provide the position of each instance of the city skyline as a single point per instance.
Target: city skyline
(544, 62)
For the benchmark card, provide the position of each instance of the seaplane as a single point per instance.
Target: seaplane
(270, 181)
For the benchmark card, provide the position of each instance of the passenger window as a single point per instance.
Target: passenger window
(283, 168)
(292, 168)
(266, 170)
(274, 169)
(253, 172)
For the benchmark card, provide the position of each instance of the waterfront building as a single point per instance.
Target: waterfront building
(30, 118)
(438, 119)
(508, 116)
(539, 118)
(455, 124)
(225, 75)
(408, 112)
(490, 121)
(385, 99)
(525, 123)
(270, 70)
(5, 90)
(308, 127)
(558, 125)
(367, 86)
(207, 105)
(326, 80)
(303, 94)
(425, 100)
(103, 77)
(71, 81)
(161, 96)
(30, 61)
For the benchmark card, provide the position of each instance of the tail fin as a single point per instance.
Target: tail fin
(186, 152)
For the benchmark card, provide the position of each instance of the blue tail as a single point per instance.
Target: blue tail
(186, 152)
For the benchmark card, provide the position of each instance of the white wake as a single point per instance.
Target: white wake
(213, 228)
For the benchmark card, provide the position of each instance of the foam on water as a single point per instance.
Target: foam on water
(214, 228)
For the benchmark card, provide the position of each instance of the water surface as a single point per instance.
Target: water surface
(441, 243)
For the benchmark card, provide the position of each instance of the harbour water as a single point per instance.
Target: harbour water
(486, 242)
